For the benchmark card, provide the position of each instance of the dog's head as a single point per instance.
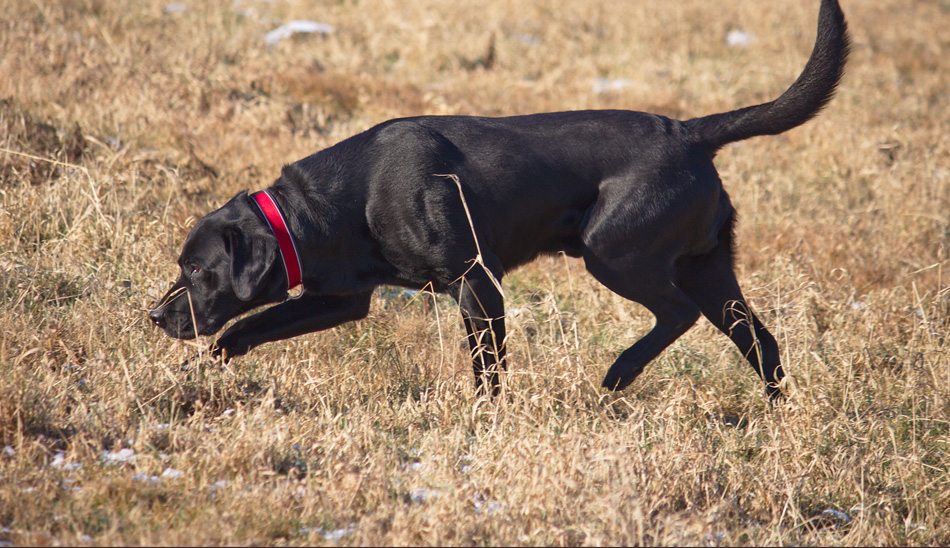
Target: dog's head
(229, 264)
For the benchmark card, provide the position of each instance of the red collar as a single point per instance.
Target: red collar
(288, 249)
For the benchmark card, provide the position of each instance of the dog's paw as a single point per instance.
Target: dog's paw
(775, 394)
(225, 350)
(613, 382)
(219, 352)
(620, 375)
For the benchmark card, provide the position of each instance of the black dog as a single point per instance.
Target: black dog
(453, 203)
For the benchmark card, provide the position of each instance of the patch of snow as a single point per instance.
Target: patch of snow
(739, 38)
(59, 462)
(172, 474)
(605, 85)
(285, 31)
(836, 515)
(422, 494)
(118, 457)
(147, 478)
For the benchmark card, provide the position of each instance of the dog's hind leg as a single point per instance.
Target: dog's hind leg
(644, 281)
(483, 312)
(710, 282)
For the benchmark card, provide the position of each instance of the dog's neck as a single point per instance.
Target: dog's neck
(285, 241)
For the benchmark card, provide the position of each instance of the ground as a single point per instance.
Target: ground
(122, 122)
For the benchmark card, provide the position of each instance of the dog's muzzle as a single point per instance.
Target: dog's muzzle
(157, 315)
(172, 322)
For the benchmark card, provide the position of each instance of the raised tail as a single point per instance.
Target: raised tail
(813, 89)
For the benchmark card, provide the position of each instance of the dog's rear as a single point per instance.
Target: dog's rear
(706, 282)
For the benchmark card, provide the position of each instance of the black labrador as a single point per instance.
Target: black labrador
(454, 202)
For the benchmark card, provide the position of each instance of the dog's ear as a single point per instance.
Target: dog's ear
(251, 259)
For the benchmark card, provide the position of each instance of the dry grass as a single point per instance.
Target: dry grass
(120, 124)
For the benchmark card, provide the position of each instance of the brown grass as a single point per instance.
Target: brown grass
(120, 124)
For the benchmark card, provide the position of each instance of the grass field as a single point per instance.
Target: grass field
(122, 122)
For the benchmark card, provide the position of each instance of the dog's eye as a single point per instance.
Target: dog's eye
(194, 269)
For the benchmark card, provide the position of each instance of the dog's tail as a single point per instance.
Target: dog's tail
(800, 103)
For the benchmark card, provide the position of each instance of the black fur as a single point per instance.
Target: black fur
(636, 195)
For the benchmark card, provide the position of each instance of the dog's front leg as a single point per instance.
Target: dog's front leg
(306, 314)
(483, 311)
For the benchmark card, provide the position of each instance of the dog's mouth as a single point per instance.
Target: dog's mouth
(179, 322)
(176, 325)
(179, 325)
(183, 331)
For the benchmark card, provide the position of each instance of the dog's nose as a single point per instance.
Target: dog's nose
(158, 316)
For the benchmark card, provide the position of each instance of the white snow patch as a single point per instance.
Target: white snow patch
(285, 31)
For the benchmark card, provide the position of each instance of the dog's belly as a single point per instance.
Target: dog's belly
(558, 231)
(565, 234)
